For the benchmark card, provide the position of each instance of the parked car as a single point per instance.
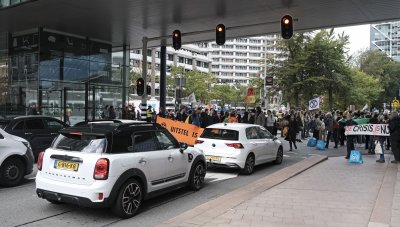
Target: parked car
(116, 164)
(39, 131)
(16, 159)
(237, 145)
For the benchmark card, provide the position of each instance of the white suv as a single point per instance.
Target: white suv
(116, 164)
(16, 159)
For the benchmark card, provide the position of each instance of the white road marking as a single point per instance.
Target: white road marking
(214, 177)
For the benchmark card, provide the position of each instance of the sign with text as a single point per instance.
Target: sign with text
(184, 133)
(269, 81)
(368, 129)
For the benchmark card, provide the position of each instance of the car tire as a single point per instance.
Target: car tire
(249, 165)
(129, 199)
(279, 156)
(197, 176)
(12, 172)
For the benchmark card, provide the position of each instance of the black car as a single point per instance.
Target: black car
(38, 130)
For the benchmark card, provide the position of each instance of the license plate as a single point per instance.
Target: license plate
(73, 166)
(213, 158)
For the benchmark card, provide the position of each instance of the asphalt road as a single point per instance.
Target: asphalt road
(19, 206)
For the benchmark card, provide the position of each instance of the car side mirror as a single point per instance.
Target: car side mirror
(183, 147)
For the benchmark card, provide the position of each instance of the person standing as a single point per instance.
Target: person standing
(68, 115)
(260, 117)
(394, 129)
(233, 118)
(270, 122)
(105, 114)
(149, 114)
(350, 138)
(293, 129)
(379, 139)
(112, 113)
(329, 128)
(195, 117)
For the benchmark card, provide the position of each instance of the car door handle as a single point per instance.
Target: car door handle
(142, 161)
(170, 158)
(28, 133)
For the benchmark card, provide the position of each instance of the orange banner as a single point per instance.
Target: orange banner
(184, 133)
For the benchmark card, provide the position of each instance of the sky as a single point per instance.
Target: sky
(359, 37)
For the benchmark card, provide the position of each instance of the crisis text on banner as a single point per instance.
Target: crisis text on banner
(368, 129)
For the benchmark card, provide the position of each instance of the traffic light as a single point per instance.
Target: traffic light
(140, 86)
(287, 27)
(177, 39)
(220, 34)
(148, 89)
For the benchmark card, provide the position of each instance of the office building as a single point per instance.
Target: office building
(386, 38)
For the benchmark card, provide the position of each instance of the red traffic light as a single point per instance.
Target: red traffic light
(177, 39)
(287, 27)
(220, 34)
(140, 86)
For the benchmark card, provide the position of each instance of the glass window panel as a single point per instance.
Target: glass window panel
(76, 69)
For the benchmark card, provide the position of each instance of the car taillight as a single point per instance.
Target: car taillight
(235, 145)
(40, 161)
(199, 142)
(101, 169)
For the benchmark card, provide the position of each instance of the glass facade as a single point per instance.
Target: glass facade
(54, 71)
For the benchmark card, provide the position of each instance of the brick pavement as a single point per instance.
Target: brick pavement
(332, 193)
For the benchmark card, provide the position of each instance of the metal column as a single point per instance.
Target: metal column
(163, 74)
(143, 107)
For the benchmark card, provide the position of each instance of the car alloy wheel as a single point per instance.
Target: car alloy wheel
(196, 179)
(129, 199)
(279, 156)
(12, 172)
(249, 165)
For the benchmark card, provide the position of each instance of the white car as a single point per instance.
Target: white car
(237, 145)
(16, 159)
(116, 164)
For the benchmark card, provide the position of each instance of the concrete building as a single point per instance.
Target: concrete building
(386, 37)
(241, 59)
(189, 57)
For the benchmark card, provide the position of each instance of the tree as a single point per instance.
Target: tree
(383, 68)
(315, 66)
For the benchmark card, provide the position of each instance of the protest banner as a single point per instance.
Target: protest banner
(184, 133)
(368, 129)
(314, 104)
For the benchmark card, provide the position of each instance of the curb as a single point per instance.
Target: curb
(208, 211)
(382, 212)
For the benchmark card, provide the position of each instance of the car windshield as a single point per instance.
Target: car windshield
(220, 134)
(80, 143)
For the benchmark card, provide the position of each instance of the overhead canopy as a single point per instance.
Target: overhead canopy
(127, 21)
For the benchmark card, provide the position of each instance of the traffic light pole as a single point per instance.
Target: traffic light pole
(143, 106)
(163, 74)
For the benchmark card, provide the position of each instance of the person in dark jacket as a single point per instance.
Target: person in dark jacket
(293, 130)
(329, 128)
(245, 118)
(394, 129)
(350, 138)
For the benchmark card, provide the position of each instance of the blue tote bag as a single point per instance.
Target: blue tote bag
(356, 157)
(312, 142)
(321, 145)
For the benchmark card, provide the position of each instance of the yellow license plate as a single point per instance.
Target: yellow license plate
(73, 166)
(213, 158)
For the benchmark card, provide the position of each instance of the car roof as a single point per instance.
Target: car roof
(108, 126)
(32, 116)
(232, 126)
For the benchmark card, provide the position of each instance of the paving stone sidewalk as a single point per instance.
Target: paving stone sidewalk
(332, 193)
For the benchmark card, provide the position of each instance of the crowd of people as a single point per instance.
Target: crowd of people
(294, 126)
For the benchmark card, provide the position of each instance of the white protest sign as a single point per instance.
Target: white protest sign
(368, 129)
(313, 104)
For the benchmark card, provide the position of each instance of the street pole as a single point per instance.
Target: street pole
(163, 74)
(144, 75)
